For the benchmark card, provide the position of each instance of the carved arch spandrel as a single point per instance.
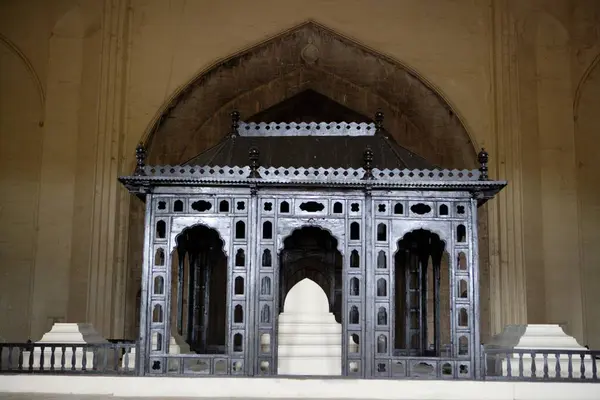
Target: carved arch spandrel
(335, 227)
(400, 229)
(220, 225)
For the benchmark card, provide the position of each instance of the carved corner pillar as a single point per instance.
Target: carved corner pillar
(106, 296)
(507, 272)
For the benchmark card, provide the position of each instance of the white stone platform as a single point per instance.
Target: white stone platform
(105, 387)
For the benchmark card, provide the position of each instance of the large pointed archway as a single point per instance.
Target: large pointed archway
(312, 62)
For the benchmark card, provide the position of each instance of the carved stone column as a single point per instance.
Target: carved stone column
(106, 296)
(507, 286)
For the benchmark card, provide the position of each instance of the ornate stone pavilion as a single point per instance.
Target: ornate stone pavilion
(326, 243)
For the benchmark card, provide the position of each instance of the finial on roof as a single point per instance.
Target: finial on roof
(483, 157)
(368, 163)
(235, 123)
(378, 121)
(140, 156)
(254, 154)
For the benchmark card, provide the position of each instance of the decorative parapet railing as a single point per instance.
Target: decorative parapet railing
(306, 129)
(254, 174)
(292, 174)
(116, 358)
(475, 181)
(541, 365)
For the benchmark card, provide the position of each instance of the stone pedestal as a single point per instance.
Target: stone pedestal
(70, 334)
(310, 340)
(540, 337)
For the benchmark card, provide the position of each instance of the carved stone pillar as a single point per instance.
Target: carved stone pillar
(507, 286)
(106, 296)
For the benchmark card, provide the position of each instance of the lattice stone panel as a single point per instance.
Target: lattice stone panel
(267, 287)
(240, 309)
(306, 129)
(355, 313)
(382, 262)
(159, 287)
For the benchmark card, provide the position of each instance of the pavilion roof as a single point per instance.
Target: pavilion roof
(326, 154)
(311, 145)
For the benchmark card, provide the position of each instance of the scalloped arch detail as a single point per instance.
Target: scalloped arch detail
(201, 223)
(290, 230)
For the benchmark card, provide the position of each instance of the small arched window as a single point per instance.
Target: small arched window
(381, 233)
(267, 232)
(398, 209)
(265, 286)
(266, 258)
(284, 207)
(239, 286)
(238, 314)
(354, 287)
(265, 314)
(178, 206)
(381, 287)
(353, 317)
(381, 260)
(354, 259)
(240, 230)
(240, 258)
(354, 231)
(224, 206)
(338, 208)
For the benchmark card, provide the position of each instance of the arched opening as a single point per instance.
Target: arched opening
(310, 301)
(199, 290)
(421, 296)
(312, 253)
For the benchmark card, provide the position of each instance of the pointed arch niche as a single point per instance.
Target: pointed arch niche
(317, 57)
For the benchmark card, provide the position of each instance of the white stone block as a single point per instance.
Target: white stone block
(309, 338)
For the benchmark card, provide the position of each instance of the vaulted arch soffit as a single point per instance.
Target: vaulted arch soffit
(593, 67)
(310, 57)
(14, 49)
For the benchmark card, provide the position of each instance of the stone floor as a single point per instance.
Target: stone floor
(48, 396)
(37, 396)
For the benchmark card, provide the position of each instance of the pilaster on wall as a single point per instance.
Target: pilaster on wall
(107, 277)
(507, 275)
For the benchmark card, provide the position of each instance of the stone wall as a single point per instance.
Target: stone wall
(87, 80)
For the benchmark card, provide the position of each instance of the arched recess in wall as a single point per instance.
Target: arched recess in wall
(587, 136)
(20, 157)
(549, 174)
(308, 60)
(70, 132)
(12, 47)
